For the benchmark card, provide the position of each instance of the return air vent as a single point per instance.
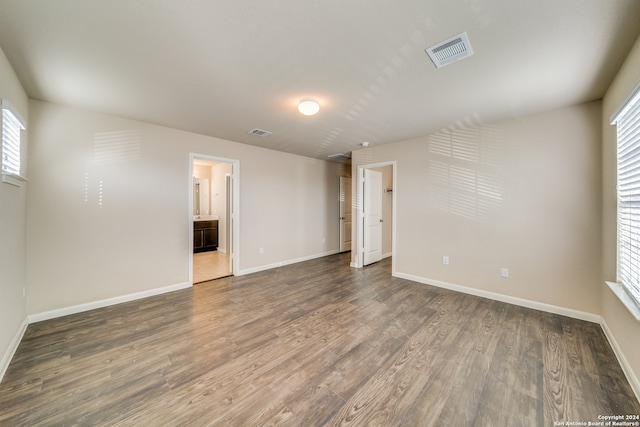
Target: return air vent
(260, 132)
(341, 157)
(450, 50)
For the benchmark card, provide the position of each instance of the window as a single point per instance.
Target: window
(12, 126)
(627, 122)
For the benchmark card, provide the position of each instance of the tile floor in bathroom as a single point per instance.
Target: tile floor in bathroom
(210, 265)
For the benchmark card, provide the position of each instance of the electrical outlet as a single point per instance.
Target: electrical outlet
(24, 292)
(504, 273)
(261, 250)
(445, 260)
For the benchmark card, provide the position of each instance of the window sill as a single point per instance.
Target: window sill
(13, 179)
(622, 295)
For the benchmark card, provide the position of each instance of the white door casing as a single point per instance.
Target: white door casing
(233, 243)
(230, 218)
(345, 214)
(372, 218)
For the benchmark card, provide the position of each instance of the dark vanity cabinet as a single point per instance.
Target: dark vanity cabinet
(205, 236)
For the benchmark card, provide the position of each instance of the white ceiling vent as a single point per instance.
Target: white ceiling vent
(260, 132)
(450, 50)
(341, 157)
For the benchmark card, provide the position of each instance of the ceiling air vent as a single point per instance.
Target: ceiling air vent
(450, 50)
(341, 157)
(260, 132)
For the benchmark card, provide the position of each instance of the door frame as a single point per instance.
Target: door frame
(234, 245)
(358, 214)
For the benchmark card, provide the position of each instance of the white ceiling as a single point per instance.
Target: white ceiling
(225, 67)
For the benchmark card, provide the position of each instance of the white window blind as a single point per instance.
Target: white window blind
(11, 128)
(627, 122)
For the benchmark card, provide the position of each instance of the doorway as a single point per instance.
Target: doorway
(213, 217)
(346, 219)
(375, 213)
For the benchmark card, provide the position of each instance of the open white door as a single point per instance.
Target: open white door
(345, 214)
(231, 217)
(372, 244)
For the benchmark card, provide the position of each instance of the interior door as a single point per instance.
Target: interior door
(231, 217)
(345, 214)
(372, 204)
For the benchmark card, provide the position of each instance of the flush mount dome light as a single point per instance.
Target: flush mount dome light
(308, 107)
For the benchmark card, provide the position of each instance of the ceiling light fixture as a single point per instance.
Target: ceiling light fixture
(308, 107)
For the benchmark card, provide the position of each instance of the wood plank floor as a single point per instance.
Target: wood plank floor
(315, 343)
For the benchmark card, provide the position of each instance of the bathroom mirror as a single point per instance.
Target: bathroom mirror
(200, 196)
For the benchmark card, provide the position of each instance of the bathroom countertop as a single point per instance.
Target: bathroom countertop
(205, 217)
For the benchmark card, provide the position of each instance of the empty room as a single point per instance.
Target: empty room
(411, 213)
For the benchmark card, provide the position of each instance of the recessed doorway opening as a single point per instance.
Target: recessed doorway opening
(213, 217)
(375, 216)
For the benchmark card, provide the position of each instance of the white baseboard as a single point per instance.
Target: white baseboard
(38, 317)
(13, 346)
(282, 263)
(626, 368)
(563, 311)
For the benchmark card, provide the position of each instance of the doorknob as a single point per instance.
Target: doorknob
(342, 218)
(381, 220)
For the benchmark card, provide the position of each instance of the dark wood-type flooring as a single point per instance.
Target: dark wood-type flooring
(315, 343)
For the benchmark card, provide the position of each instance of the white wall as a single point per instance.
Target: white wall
(107, 220)
(621, 323)
(12, 230)
(523, 194)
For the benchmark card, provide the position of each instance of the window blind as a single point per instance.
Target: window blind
(11, 128)
(628, 174)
